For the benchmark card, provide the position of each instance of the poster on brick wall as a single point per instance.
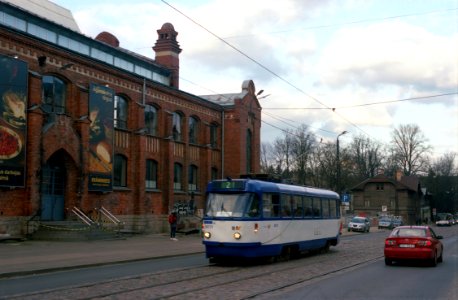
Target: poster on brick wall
(13, 125)
(101, 106)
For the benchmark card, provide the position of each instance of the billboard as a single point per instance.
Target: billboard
(101, 107)
(13, 121)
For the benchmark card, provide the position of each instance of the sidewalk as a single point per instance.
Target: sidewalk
(28, 257)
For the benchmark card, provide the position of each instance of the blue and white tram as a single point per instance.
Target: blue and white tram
(246, 218)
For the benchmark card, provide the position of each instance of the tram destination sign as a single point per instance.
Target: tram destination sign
(229, 185)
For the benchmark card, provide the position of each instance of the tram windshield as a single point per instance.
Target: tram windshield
(235, 205)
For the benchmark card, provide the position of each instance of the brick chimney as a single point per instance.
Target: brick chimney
(398, 175)
(167, 52)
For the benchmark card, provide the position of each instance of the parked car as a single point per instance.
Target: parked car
(397, 221)
(385, 223)
(444, 219)
(413, 243)
(361, 224)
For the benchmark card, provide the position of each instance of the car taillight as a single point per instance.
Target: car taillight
(390, 242)
(424, 243)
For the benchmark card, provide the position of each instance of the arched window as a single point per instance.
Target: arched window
(192, 178)
(120, 171)
(177, 126)
(151, 174)
(177, 176)
(120, 112)
(214, 174)
(54, 94)
(193, 127)
(151, 119)
(249, 151)
(213, 135)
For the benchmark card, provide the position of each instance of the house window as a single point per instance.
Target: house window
(120, 171)
(367, 203)
(151, 174)
(54, 94)
(193, 130)
(177, 126)
(192, 178)
(213, 135)
(120, 112)
(177, 176)
(379, 187)
(151, 119)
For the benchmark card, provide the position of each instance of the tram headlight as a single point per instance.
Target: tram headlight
(237, 235)
(207, 235)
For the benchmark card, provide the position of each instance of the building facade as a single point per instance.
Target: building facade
(86, 124)
(381, 195)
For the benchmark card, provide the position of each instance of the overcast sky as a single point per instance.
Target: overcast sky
(360, 57)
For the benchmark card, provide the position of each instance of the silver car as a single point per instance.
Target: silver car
(361, 224)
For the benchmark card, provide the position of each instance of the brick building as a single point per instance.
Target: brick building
(87, 124)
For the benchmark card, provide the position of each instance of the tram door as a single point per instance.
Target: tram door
(52, 192)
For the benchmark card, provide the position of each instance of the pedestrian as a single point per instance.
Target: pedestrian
(173, 226)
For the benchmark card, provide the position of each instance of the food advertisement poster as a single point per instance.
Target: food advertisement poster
(13, 129)
(101, 106)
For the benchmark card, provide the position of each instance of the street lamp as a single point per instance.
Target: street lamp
(338, 163)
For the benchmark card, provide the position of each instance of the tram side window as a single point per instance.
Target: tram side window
(316, 207)
(297, 206)
(325, 208)
(253, 209)
(333, 208)
(308, 208)
(270, 205)
(286, 206)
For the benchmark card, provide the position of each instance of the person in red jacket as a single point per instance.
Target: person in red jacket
(173, 225)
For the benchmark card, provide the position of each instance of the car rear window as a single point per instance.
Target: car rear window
(405, 232)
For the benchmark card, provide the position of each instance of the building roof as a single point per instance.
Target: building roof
(47, 10)
(229, 99)
(407, 182)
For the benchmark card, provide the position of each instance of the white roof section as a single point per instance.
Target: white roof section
(48, 10)
(224, 99)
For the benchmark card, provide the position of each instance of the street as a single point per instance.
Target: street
(352, 270)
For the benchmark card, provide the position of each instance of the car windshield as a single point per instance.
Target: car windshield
(357, 220)
(409, 232)
(232, 205)
(385, 219)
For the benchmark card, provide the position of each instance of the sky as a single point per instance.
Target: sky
(361, 66)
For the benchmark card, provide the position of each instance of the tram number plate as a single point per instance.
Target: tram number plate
(406, 246)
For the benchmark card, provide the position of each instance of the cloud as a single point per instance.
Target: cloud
(390, 53)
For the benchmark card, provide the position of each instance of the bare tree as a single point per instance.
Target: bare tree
(303, 142)
(367, 157)
(410, 149)
(445, 165)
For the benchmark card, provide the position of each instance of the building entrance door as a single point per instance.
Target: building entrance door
(52, 192)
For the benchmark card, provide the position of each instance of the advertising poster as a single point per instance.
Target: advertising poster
(101, 106)
(13, 129)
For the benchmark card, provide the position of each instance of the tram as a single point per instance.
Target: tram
(251, 218)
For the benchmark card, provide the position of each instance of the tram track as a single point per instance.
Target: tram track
(222, 281)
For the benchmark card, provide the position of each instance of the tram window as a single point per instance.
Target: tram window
(253, 207)
(325, 208)
(333, 208)
(275, 205)
(286, 206)
(297, 207)
(308, 212)
(316, 208)
(270, 205)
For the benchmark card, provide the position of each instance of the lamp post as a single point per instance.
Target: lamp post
(338, 163)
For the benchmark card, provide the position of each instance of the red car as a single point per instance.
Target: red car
(413, 243)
